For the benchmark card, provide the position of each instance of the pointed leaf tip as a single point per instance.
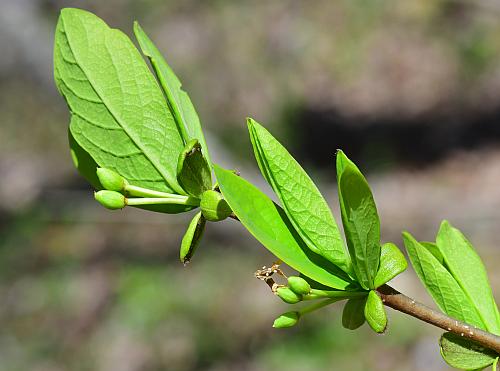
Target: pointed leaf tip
(301, 200)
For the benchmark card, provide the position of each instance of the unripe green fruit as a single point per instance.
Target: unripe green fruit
(111, 199)
(214, 207)
(287, 319)
(288, 296)
(111, 180)
(299, 285)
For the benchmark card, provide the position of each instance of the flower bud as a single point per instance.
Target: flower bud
(299, 285)
(287, 319)
(111, 180)
(288, 296)
(214, 207)
(111, 199)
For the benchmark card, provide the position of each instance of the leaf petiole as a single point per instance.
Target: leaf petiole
(180, 200)
(145, 192)
(340, 295)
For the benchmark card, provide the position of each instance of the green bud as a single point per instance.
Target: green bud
(288, 296)
(375, 312)
(214, 207)
(287, 319)
(299, 285)
(111, 180)
(111, 199)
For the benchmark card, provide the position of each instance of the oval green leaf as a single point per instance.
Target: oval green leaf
(464, 354)
(118, 113)
(392, 263)
(375, 313)
(302, 201)
(353, 315)
(269, 224)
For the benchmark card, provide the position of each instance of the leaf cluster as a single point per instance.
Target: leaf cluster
(455, 277)
(134, 134)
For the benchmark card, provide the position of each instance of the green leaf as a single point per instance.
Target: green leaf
(464, 354)
(179, 102)
(193, 172)
(468, 270)
(440, 284)
(375, 313)
(353, 315)
(303, 203)
(361, 222)
(269, 224)
(118, 113)
(192, 237)
(434, 250)
(494, 366)
(85, 164)
(392, 263)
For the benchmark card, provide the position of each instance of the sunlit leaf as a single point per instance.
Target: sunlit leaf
(269, 224)
(468, 270)
(440, 284)
(303, 203)
(392, 263)
(178, 100)
(118, 113)
(360, 220)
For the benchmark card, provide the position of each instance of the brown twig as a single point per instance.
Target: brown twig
(398, 301)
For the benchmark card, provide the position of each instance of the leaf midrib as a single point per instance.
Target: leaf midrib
(271, 179)
(167, 179)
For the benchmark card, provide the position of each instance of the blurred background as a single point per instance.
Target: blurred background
(409, 89)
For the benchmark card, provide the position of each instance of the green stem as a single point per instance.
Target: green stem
(144, 192)
(185, 200)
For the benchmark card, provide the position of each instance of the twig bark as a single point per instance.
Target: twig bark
(400, 302)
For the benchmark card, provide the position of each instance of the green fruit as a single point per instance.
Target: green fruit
(111, 199)
(214, 207)
(288, 296)
(299, 285)
(111, 180)
(287, 319)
